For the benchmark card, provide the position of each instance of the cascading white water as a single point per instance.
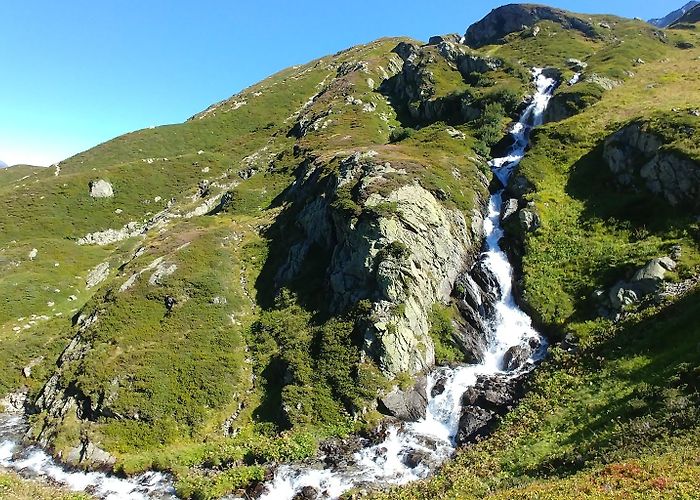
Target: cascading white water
(381, 464)
(385, 463)
(33, 462)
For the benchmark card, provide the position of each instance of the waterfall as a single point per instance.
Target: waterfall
(386, 463)
(389, 461)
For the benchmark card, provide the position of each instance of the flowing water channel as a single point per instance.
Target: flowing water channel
(389, 462)
(386, 463)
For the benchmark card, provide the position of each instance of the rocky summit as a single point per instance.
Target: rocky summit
(288, 280)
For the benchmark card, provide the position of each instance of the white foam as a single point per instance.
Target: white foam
(33, 462)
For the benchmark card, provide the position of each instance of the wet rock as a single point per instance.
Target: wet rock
(415, 457)
(516, 357)
(307, 493)
(409, 405)
(491, 397)
(474, 424)
(101, 189)
(484, 277)
(510, 208)
(438, 387)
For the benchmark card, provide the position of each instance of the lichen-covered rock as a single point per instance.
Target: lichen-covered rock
(404, 258)
(408, 405)
(109, 236)
(645, 281)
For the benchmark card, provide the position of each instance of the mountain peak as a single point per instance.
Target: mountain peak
(514, 17)
(669, 19)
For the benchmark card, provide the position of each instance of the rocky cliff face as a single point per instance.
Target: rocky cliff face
(419, 86)
(669, 19)
(517, 17)
(402, 250)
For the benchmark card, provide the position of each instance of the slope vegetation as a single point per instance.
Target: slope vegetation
(216, 297)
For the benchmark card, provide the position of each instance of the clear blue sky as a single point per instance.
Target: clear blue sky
(75, 73)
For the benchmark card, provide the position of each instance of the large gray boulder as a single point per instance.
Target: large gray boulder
(100, 188)
(408, 405)
(645, 281)
(649, 277)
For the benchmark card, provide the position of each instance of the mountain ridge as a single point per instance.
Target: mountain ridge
(673, 17)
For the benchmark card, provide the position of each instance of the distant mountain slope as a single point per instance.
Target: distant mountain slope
(692, 16)
(668, 20)
(3, 164)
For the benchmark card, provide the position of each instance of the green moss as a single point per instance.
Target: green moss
(442, 333)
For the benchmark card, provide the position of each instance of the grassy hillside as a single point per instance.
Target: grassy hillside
(189, 345)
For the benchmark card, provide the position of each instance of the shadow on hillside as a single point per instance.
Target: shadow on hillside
(310, 283)
(591, 181)
(649, 373)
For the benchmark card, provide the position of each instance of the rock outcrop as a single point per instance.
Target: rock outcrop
(490, 398)
(638, 160)
(60, 399)
(97, 275)
(512, 18)
(403, 250)
(646, 281)
(415, 86)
